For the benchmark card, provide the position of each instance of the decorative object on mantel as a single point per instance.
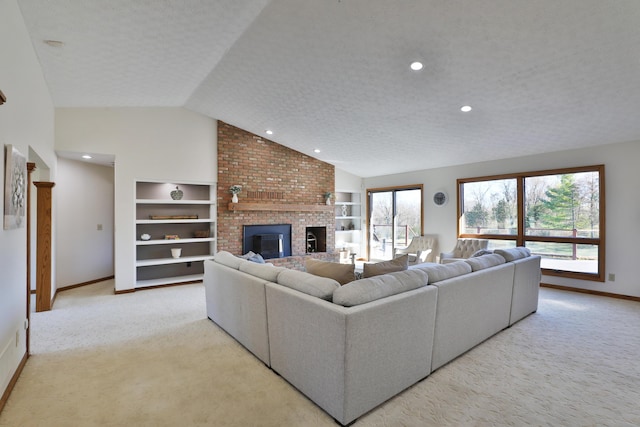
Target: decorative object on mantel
(3, 98)
(327, 197)
(177, 194)
(145, 237)
(235, 189)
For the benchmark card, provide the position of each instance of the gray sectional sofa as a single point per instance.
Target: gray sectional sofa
(350, 348)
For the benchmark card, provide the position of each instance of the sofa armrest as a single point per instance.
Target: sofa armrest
(526, 286)
(348, 360)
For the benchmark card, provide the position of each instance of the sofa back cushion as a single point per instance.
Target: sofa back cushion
(439, 272)
(228, 259)
(373, 288)
(485, 261)
(513, 254)
(341, 273)
(321, 287)
(376, 269)
(264, 271)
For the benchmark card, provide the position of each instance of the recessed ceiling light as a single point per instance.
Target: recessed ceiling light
(86, 156)
(317, 150)
(416, 66)
(466, 108)
(53, 43)
(269, 132)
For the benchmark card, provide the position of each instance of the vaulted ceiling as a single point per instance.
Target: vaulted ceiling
(333, 75)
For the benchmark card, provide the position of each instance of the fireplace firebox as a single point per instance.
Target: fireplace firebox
(268, 240)
(316, 239)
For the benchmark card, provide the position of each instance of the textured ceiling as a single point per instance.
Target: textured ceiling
(542, 75)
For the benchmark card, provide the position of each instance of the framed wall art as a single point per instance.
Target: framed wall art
(15, 188)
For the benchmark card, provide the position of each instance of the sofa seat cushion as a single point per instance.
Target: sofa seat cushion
(373, 288)
(485, 261)
(321, 287)
(228, 259)
(341, 273)
(440, 272)
(400, 263)
(267, 272)
(513, 254)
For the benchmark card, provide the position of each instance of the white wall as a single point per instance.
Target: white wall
(166, 144)
(85, 200)
(26, 121)
(622, 176)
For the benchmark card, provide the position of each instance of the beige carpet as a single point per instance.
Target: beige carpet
(152, 358)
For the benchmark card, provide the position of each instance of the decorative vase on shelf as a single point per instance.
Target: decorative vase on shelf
(176, 252)
(328, 201)
(176, 194)
(234, 198)
(344, 210)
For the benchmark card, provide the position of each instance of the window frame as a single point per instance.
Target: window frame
(521, 238)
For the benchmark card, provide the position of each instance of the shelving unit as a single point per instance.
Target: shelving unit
(194, 213)
(348, 214)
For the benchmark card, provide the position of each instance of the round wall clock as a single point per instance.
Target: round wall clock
(440, 198)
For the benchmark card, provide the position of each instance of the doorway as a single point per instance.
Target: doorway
(394, 217)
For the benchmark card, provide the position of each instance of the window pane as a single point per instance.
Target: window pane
(501, 244)
(567, 256)
(489, 207)
(565, 205)
(381, 230)
(408, 216)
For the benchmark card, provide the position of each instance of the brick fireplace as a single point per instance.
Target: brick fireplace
(279, 186)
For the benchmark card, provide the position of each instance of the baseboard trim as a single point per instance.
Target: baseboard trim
(128, 291)
(591, 292)
(12, 383)
(78, 285)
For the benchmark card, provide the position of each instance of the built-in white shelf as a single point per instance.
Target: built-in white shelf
(154, 265)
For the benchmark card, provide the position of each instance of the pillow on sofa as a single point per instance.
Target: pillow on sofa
(366, 290)
(228, 259)
(513, 254)
(264, 271)
(341, 273)
(481, 252)
(439, 272)
(397, 264)
(485, 261)
(321, 287)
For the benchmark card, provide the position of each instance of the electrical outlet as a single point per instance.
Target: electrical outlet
(612, 277)
(99, 227)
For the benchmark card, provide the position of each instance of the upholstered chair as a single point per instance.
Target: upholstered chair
(421, 249)
(464, 249)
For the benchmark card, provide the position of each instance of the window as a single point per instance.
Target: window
(557, 214)
(394, 217)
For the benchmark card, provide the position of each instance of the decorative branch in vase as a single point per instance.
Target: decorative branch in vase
(235, 190)
(327, 197)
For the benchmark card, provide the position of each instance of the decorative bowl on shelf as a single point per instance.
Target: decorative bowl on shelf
(145, 237)
(201, 233)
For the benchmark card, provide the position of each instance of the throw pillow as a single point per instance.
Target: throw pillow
(513, 254)
(485, 261)
(398, 264)
(481, 252)
(341, 273)
(310, 284)
(374, 288)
